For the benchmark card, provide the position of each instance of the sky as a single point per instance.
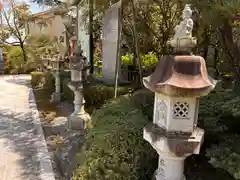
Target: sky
(34, 8)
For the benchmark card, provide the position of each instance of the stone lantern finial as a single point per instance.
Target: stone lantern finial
(183, 32)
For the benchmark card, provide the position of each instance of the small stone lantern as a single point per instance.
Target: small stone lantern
(45, 60)
(77, 65)
(57, 62)
(49, 59)
(178, 82)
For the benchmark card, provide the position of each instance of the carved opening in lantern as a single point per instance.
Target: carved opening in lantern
(181, 110)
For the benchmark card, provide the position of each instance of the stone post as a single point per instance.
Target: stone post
(178, 82)
(77, 64)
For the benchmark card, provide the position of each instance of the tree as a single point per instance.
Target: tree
(47, 2)
(155, 22)
(37, 46)
(15, 17)
(69, 22)
(216, 28)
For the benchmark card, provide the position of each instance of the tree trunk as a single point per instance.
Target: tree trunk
(23, 51)
(231, 49)
(136, 43)
(90, 29)
(215, 62)
(205, 43)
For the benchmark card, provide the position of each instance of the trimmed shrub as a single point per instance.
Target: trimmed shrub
(43, 80)
(15, 62)
(114, 147)
(95, 94)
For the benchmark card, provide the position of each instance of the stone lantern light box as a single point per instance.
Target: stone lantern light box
(55, 63)
(178, 82)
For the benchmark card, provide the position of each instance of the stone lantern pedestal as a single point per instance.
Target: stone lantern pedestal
(78, 118)
(178, 83)
(173, 148)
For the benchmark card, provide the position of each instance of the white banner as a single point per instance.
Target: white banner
(83, 35)
(110, 41)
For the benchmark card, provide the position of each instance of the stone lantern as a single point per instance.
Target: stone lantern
(45, 60)
(73, 43)
(178, 82)
(56, 64)
(78, 64)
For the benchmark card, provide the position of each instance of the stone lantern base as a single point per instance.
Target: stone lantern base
(170, 168)
(173, 148)
(78, 121)
(79, 118)
(56, 97)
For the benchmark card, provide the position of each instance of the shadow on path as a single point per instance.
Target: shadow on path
(22, 144)
(19, 80)
(21, 138)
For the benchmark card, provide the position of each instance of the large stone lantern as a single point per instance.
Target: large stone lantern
(78, 64)
(73, 43)
(178, 83)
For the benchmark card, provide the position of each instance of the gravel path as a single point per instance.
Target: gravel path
(23, 149)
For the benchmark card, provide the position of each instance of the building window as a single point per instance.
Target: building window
(181, 110)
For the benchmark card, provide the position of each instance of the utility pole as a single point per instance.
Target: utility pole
(90, 32)
(135, 37)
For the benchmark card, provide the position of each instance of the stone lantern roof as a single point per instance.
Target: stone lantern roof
(180, 76)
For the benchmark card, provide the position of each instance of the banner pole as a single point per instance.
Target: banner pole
(118, 54)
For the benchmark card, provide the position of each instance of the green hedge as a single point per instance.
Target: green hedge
(95, 94)
(15, 61)
(115, 148)
(43, 80)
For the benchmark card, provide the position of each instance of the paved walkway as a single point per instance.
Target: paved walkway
(23, 151)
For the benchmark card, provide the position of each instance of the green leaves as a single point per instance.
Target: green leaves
(226, 155)
(116, 149)
(147, 60)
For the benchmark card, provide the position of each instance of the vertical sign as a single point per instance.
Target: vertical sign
(83, 35)
(1, 62)
(110, 42)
